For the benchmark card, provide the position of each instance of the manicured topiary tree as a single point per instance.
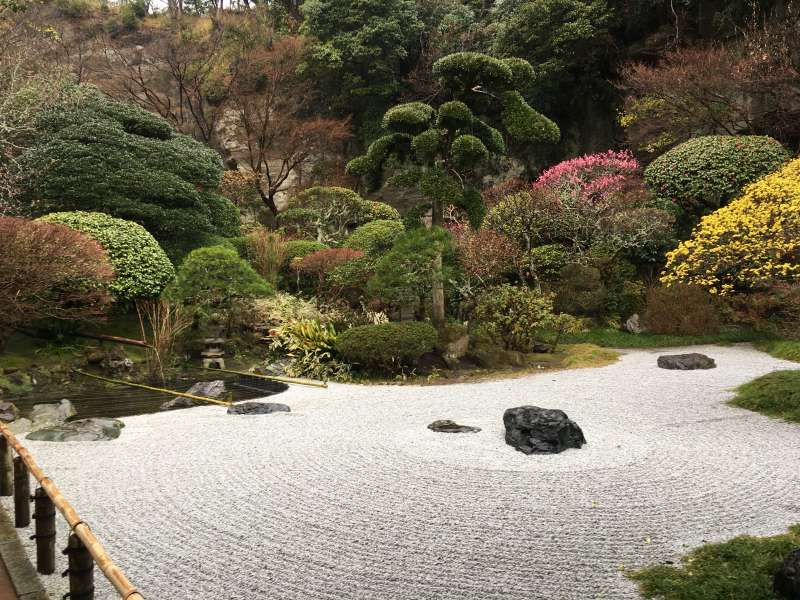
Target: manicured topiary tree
(376, 237)
(444, 151)
(116, 158)
(329, 214)
(705, 173)
(141, 268)
(749, 243)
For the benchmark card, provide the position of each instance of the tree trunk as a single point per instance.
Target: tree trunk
(268, 198)
(437, 285)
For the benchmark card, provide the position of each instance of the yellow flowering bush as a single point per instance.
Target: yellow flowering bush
(751, 242)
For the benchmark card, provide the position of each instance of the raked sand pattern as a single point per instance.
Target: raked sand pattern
(351, 496)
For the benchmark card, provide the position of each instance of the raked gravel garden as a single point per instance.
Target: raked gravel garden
(351, 496)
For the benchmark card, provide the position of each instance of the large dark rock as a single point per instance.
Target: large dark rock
(787, 580)
(205, 389)
(534, 430)
(257, 408)
(686, 362)
(447, 426)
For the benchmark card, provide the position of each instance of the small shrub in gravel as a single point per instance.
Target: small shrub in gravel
(681, 310)
(386, 346)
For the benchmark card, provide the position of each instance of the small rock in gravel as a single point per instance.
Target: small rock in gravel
(447, 426)
(206, 389)
(787, 580)
(82, 430)
(257, 408)
(534, 430)
(8, 412)
(686, 362)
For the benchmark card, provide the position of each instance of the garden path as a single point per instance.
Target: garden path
(351, 497)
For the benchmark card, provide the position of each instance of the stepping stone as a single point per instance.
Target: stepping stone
(686, 362)
(447, 426)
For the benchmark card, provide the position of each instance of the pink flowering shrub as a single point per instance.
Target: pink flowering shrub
(594, 178)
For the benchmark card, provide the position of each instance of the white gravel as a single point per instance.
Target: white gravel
(351, 497)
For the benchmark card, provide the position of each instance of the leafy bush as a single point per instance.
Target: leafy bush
(49, 271)
(310, 345)
(386, 346)
(545, 262)
(515, 316)
(750, 243)
(349, 280)
(681, 310)
(484, 256)
(375, 238)
(581, 291)
(774, 311)
(282, 308)
(215, 277)
(298, 248)
(141, 268)
(119, 159)
(591, 178)
(319, 265)
(329, 214)
(705, 173)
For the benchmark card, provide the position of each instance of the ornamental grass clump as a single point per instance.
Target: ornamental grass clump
(750, 243)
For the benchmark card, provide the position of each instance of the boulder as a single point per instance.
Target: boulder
(633, 324)
(534, 430)
(686, 362)
(207, 389)
(455, 350)
(8, 412)
(51, 415)
(82, 430)
(447, 426)
(786, 583)
(20, 426)
(257, 408)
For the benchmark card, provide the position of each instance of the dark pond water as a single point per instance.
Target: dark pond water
(120, 401)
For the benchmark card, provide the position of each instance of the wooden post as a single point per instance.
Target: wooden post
(80, 571)
(22, 494)
(45, 516)
(6, 481)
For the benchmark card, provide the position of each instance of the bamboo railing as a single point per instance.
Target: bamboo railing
(77, 526)
(294, 380)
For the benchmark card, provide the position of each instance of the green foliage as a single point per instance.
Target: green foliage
(428, 144)
(411, 118)
(310, 345)
(776, 394)
(491, 137)
(462, 72)
(581, 291)
(363, 49)
(471, 202)
(299, 248)
(108, 156)
(468, 152)
(615, 338)
(783, 349)
(329, 214)
(216, 277)
(516, 316)
(141, 268)
(739, 569)
(386, 346)
(404, 275)
(705, 173)
(525, 124)
(375, 238)
(545, 262)
(521, 70)
(454, 115)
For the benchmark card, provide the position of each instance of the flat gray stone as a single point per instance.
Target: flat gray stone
(448, 426)
(207, 389)
(82, 430)
(257, 408)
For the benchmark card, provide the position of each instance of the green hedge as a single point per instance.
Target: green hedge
(375, 238)
(141, 268)
(386, 346)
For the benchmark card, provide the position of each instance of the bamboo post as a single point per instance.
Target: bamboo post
(80, 570)
(294, 380)
(22, 494)
(6, 481)
(45, 516)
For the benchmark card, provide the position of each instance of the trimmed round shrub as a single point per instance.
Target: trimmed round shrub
(386, 346)
(468, 151)
(375, 238)
(141, 268)
(216, 276)
(299, 248)
(705, 173)
(412, 117)
(372, 210)
(454, 115)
